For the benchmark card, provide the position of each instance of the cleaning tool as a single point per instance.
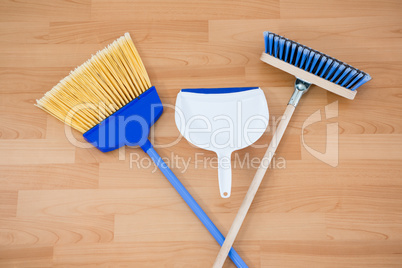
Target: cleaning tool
(310, 67)
(222, 120)
(111, 101)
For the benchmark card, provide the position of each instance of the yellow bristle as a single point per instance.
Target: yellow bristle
(99, 87)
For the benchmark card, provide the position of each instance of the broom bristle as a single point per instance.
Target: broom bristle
(99, 87)
(314, 62)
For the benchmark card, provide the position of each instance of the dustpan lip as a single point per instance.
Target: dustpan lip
(224, 90)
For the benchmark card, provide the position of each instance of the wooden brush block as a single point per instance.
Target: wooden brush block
(309, 77)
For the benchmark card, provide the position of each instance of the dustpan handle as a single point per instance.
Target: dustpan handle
(148, 148)
(224, 174)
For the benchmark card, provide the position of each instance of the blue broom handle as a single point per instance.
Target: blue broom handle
(148, 148)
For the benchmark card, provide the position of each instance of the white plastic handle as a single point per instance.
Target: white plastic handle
(224, 174)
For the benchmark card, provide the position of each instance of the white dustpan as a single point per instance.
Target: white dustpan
(222, 120)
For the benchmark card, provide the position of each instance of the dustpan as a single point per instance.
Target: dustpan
(222, 120)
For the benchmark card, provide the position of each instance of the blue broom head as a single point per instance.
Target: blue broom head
(314, 62)
(129, 125)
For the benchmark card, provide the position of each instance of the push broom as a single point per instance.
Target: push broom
(111, 101)
(310, 67)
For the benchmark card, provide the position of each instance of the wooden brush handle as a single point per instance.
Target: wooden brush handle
(252, 190)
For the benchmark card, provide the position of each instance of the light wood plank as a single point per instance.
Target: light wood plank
(175, 254)
(47, 231)
(144, 226)
(42, 177)
(330, 254)
(20, 152)
(25, 256)
(332, 8)
(162, 10)
(8, 203)
(94, 32)
(43, 10)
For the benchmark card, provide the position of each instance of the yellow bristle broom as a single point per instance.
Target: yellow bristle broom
(111, 101)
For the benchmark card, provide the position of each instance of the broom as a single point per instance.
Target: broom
(111, 101)
(310, 67)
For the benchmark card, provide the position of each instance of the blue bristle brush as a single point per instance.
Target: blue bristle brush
(111, 101)
(310, 67)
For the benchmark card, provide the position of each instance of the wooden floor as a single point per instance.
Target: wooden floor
(65, 206)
